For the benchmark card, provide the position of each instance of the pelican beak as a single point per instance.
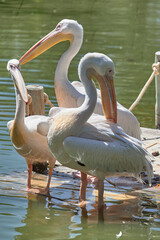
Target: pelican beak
(108, 97)
(51, 39)
(18, 81)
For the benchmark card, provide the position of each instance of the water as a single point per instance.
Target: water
(128, 32)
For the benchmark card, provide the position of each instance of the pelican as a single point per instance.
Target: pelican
(72, 94)
(23, 130)
(100, 149)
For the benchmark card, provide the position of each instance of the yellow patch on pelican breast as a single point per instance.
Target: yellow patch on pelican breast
(17, 135)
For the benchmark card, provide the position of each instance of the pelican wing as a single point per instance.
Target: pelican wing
(34, 123)
(129, 122)
(101, 158)
(37, 123)
(55, 110)
(124, 117)
(43, 128)
(97, 125)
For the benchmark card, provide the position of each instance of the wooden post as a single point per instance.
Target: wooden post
(37, 107)
(157, 86)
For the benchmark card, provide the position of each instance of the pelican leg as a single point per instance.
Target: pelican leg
(50, 172)
(82, 194)
(29, 186)
(29, 176)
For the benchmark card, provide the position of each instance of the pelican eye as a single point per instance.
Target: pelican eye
(110, 71)
(12, 66)
(58, 26)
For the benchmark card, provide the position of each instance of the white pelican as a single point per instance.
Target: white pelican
(100, 149)
(72, 94)
(23, 130)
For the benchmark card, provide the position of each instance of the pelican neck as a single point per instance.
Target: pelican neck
(20, 108)
(61, 73)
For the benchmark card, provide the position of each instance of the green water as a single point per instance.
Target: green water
(127, 31)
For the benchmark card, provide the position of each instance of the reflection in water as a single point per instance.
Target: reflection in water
(132, 214)
(44, 220)
(118, 221)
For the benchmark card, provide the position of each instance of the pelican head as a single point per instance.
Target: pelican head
(102, 68)
(65, 30)
(13, 67)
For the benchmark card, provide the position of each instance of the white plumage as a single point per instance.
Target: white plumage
(23, 130)
(99, 148)
(72, 94)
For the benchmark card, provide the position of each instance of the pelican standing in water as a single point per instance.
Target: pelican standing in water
(100, 149)
(72, 94)
(23, 130)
